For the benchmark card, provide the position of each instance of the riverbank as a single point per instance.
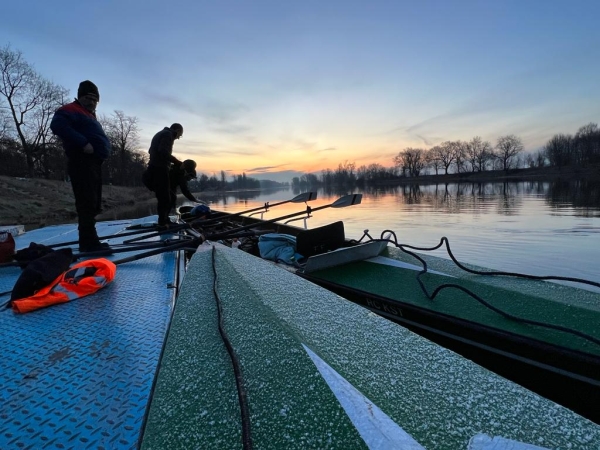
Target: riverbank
(36, 202)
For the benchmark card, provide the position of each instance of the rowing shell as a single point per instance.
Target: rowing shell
(554, 363)
(320, 372)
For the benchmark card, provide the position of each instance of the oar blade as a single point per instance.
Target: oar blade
(347, 200)
(304, 197)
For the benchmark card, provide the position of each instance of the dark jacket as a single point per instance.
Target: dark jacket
(161, 148)
(76, 127)
(177, 177)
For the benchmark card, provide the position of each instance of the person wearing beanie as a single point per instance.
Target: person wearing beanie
(179, 175)
(86, 147)
(88, 88)
(157, 175)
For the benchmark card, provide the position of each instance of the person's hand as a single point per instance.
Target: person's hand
(88, 149)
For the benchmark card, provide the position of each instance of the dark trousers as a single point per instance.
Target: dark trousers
(162, 190)
(85, 172)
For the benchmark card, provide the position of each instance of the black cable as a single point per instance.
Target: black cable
(496, 273)
(432, 296)
(239, 379)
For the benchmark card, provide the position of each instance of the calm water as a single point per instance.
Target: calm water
(539, 228)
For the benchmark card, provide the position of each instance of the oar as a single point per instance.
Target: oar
(152, 229)
(342, 202)
(161, 245)
(301, 198)
(178, 246)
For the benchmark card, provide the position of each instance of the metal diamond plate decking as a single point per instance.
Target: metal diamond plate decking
(79, 375)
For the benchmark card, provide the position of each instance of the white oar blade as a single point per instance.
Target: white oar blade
(304, 197)
(347, 200)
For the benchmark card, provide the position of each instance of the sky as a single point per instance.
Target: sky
(275, 89)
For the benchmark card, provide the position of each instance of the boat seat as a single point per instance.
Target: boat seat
(321, 240)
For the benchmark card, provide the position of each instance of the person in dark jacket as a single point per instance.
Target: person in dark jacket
(157, 175)
(179, 175)
(87, 147)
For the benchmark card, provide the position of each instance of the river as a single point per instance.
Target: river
(538, 228)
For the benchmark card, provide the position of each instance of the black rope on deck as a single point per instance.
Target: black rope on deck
(444, 240)
(239, 379)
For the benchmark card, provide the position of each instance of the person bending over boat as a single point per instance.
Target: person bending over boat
(179, 175)
(157, 176)
(87, 147)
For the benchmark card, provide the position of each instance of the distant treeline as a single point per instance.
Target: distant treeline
(28, 148)
(465, 157)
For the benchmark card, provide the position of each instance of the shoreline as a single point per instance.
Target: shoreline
(37, 202)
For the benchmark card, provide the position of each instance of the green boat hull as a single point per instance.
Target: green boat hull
(320, 372)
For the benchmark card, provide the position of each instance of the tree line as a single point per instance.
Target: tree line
(458, 157)
(28, 148)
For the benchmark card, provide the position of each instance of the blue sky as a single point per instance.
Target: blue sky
(287, 87)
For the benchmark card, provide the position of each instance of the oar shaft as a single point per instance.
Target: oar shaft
(129, 233)
(304, 197)
(174, 247)
(342, 202)
(223, 234)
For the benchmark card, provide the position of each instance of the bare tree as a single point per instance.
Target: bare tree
(122, 131)
(123, 134)
(559, 150)
(507, 151)
(30, 102)
(412, 159)
(587, 144)
(535, 160)
(459, 149)
(433, 158)
(478, 153)
(4, 125)
(446, 154)
(344, 175)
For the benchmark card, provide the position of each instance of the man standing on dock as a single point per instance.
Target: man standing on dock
(87, 147)
(157, 177)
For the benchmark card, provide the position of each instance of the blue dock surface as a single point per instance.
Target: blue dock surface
(79, 375)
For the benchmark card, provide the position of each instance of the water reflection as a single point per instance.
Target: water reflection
(503, 198)
(583, 195)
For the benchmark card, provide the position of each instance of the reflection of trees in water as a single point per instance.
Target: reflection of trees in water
(454, 198)
(505, 197)
(412, 194)
(336, 191)
(500, 197)
(244, 196)
(581, 194)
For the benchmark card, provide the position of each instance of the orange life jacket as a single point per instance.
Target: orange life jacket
(82, 279)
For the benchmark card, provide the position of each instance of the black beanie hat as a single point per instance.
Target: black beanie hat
(87, 87)
(189, 164)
